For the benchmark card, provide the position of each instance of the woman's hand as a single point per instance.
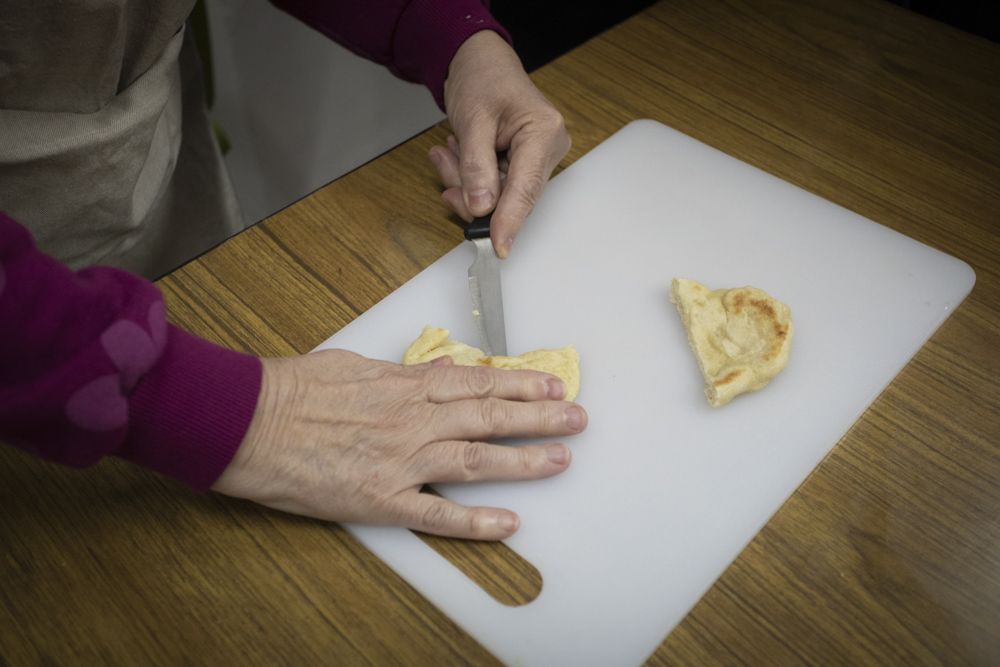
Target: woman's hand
(494, 108)
(337, 436)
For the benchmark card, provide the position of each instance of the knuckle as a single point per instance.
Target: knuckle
(476, 525)
(553, 125)
(534, 183)
(476, 458)
(480, 382)
(471, 165)
(436, 517)
(553, 121)
(531, 187)
(565, 144)
(493, 412)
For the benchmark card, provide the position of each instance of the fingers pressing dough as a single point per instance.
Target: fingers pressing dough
(433, 342)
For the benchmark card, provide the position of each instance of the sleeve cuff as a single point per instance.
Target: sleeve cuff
(429, 33)
(189, 413)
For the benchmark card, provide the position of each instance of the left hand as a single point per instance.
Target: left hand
(494, 107)
(340, 437)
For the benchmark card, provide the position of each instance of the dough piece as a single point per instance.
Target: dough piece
(433, 342)
(740, 337)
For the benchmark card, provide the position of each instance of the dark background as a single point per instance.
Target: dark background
(543, 30)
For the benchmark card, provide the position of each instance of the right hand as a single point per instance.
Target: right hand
(494, 106)
(341, 437)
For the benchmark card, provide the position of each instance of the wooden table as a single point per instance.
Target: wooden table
(888, 554)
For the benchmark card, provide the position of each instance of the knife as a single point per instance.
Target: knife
(484, 284)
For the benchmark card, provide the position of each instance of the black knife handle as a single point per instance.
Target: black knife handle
(478, 229)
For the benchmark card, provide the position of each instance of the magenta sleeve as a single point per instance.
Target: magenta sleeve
(90, 367)
(416, 39)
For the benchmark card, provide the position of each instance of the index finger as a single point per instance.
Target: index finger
(455, 383)
(488, 418)
(531, 164)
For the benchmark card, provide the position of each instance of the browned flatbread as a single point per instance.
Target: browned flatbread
(741, 337)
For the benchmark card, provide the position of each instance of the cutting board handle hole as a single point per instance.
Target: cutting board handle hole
(493, 566)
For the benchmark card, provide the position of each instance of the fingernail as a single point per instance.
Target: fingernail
(435, 158)
(480, 199)
(508, 522)
(574, 417)
(557, 454)
(555, 389)
(505, 247)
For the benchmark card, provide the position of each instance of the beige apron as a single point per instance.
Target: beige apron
(106, 152)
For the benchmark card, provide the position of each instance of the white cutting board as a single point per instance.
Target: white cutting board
(664, 491)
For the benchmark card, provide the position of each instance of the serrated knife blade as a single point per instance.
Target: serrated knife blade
(486, 291)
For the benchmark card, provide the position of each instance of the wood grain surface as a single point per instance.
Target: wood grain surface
(889, 553)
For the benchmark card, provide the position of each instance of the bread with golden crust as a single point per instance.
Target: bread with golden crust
(741, 337)
(433, 342)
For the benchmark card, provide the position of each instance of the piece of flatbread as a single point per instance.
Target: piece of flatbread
(433, 342)
(741, 337)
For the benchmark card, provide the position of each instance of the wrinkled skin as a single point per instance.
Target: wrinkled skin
(341, 437)
(494, 108)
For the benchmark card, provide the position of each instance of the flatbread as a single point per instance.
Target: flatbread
(741, 337)
(433, 342)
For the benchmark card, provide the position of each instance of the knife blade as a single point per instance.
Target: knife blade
(484, 285)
